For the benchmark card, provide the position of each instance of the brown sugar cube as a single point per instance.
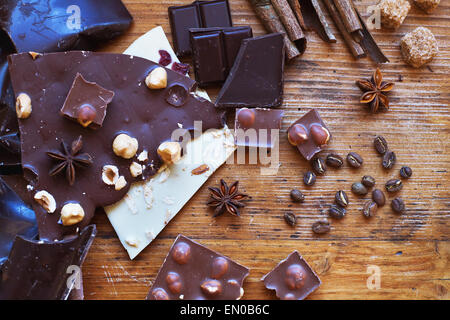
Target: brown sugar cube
(427, 5)
(393, 12)
(419, 47)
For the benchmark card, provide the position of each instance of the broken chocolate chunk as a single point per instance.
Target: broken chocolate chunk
(39, 270)
(142, 114)
(194, 272)
(86, 102)
(309, 134)
(257, 127)
(256, 79)
(292, 278)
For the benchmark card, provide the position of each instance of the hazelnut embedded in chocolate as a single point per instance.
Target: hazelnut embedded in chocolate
(297, 134)
(176, 95)
(86, 114)
(295, 277)
(46, 201)
(125, 146)
(246, 117)
(71, 213)
(170, 152)
(120, 183)
(110, 174)
(23, 106)
(211, 287)
(181, 253)
(219, 267)
(320, 134)
(157, 78)
(160, 294)
(174, 282)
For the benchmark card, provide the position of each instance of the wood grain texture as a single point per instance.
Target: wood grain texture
(411, 250)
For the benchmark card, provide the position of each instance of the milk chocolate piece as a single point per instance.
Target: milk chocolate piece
(292, 278)
(253, 127)
(214, 51)
(16, 215)
(199, 14)
(256, 79)
(38, 270)
(136, 111)
(194, 272)
(32, 26)
(86, 102)
(309, 134)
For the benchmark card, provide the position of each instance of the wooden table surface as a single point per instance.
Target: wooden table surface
(411, 250)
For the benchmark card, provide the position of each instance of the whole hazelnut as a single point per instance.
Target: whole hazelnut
(320, 134)
(23, 106)
(181, 253)
(125, 146)
(174, 282)
(295, 277)
(170, 152)
(46, 200)
(71, 214)
(110, 174)
(211, 287)
(246, 117)
(157, 78)
(297, 134)
(219, 267)
(160, 294)
(86, 114)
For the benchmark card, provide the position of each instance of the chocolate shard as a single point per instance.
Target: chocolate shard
(315, 19)
(86, 102)
(32, 26)
(256, 79)
(214, 51)
(39, 270)
(194, 272)
(140, 117)
(292, 278)
(16, 215)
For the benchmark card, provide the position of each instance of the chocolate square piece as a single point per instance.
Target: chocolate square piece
(253, 127)
(256, 78)
(86, 102)
(309, 134)
(194, 272)
(199, 14)
(292, 278)
(214, 51)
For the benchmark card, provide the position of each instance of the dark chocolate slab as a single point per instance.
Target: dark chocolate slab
(256, 79)
(38, 270)
(292, 278)
(135, 110)
(261, 122)
(310, 147)
(199, 14)
(41, 25)
(214, 51)
(16, 215)
(194, 272)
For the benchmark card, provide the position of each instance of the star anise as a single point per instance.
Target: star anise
(226, 198)
(69, 159)
(374, 92)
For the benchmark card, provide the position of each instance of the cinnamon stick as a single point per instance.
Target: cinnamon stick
(355, 47)
(349, 18)
(266, 13)
(315, 20)
(295, 6)
(289, 20)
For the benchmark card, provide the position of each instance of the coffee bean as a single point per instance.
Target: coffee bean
(398, 205)
(368, 181)
(406, 172)
(309, 178)
(394, 185)
(321, 226)
(290, 218)
(334, 160)
(369, 209)
(354, 160)
(318, 165)
(297, 196)
(341, 198)
(359, 189)
(380, 144)
(389, 159)
(379, 197)
(337, 212)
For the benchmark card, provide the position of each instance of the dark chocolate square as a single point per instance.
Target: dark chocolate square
(215, 13)
(194, 272)
(292, 278)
